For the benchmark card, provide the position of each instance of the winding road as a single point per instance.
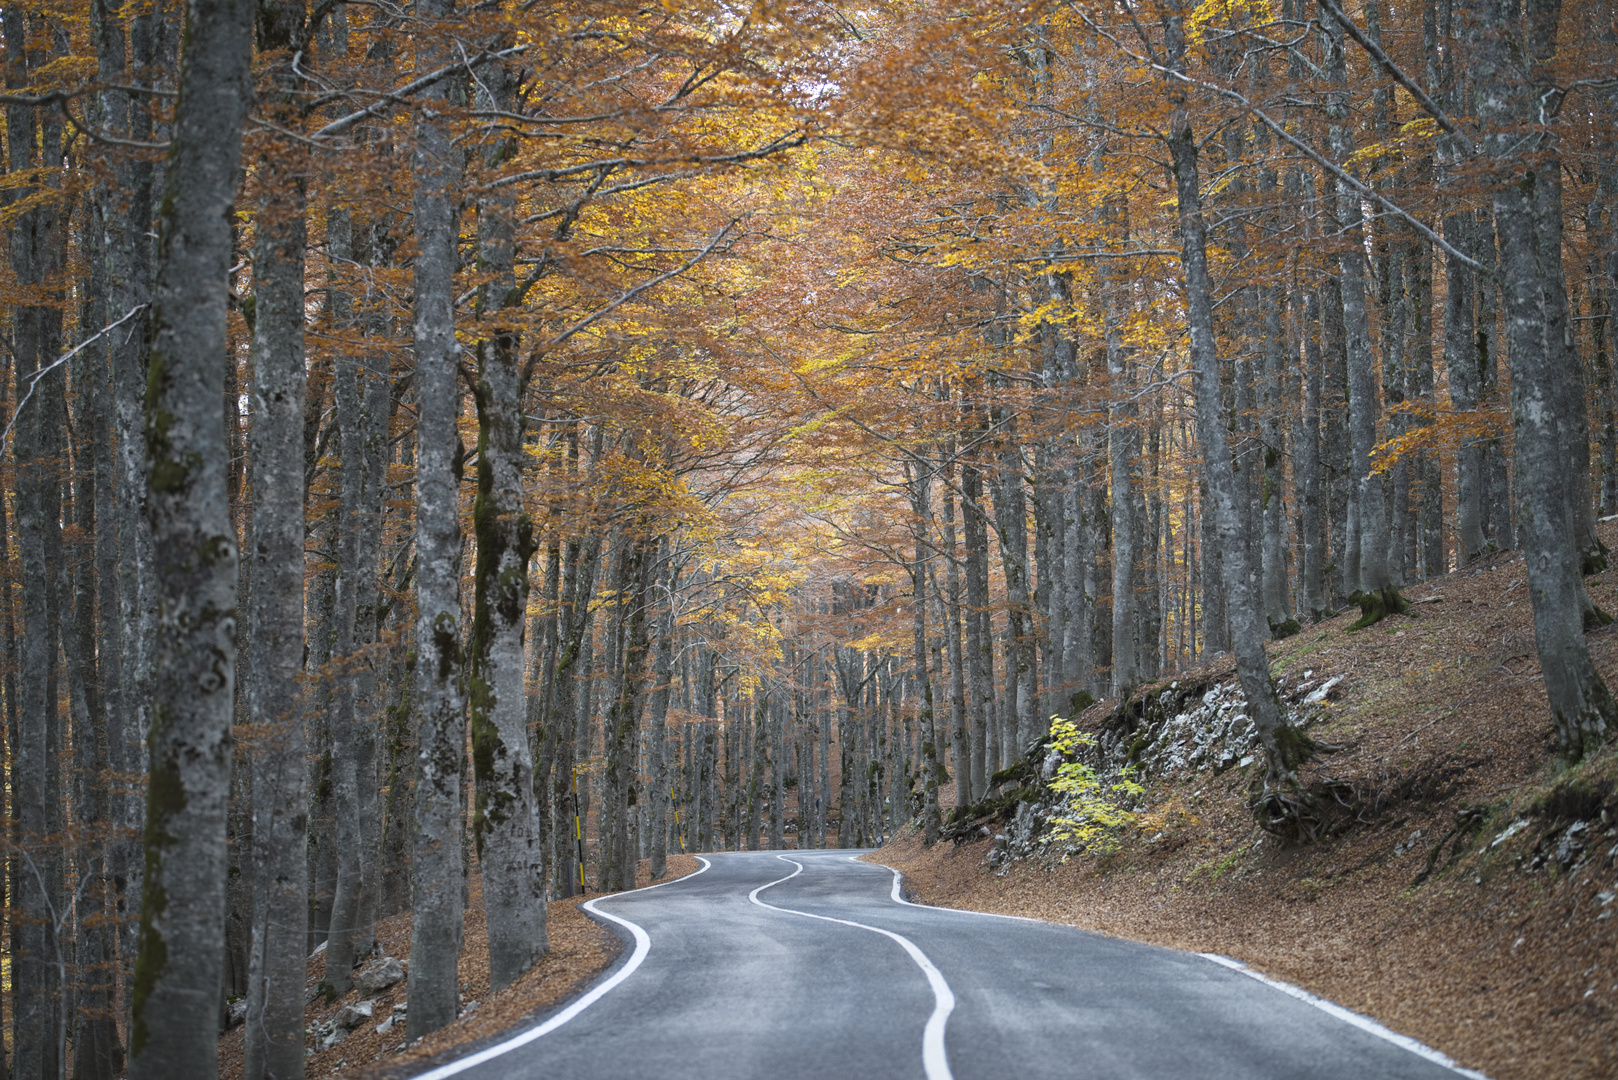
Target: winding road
(788, 965)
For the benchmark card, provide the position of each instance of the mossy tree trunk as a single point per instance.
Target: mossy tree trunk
(931, 762)
(505, 820)
(435, 892)
(177, 978)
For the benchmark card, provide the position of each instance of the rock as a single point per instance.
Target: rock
(378, 975)
(352, 1016)
(1512, 830)
(238, 1012)
(385, 1026)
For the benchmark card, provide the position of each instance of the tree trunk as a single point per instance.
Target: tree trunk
(274, 1036)
(1374, 575)
(967, 755)
(435, 892)
(1312, 584)
(508, 847)
(124, 539)
(1284, 747)
(662, 688)
(1011, 517)
(931, 760)
(177, 976)
(1581, 706)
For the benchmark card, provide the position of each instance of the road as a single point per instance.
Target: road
(809, 965)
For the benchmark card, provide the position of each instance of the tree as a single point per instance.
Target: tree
(174, 1005)
(435, 888)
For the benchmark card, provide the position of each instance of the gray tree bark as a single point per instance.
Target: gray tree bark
(274, 1036)
(1312, 575)
(177, 976)
(979, 644)
(124, 571)
(1011, 519)
(1582, 708)
(435, 888)
(931, 762)
(1374, 576)
(509, 847)
(1284, 747)
(36, 244)
(1123, 457)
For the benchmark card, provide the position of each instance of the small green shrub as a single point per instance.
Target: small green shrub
(1094, 815)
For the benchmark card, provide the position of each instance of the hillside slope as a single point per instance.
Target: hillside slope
(1463, 890)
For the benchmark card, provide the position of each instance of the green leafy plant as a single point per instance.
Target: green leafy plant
(1094, 814)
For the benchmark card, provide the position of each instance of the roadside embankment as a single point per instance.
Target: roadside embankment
(1461, 888)
(581, 949)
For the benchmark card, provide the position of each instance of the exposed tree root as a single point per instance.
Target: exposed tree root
(1378, 605)
(1284, 629)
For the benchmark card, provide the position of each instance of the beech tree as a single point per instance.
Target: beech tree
(174, 998)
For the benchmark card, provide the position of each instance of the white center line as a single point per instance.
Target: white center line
(933, 1057)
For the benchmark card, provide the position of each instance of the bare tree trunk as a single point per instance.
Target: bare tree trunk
(124, 570)
(968, 766)
(435, 894)
(178, 973)
(1124, 439)
(1011, 518)
(1316, 600)
(1284, 747)
(1582, 708)
(99, 1053)
(36, 243)
(931, 762)
(662, 688)
(1374, 576)
(979, 644)
(280, 869)
(1277, 604)
(508, 847)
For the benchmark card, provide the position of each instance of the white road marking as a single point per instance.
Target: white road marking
(1364, 1023)
(933, 1057)
(898, 898)
(643, 945)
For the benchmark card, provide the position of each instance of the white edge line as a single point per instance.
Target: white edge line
(1364, 1023)
(898, 897)
(643, 945)
(934, 1059)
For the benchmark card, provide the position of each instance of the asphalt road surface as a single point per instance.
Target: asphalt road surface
(780, 966)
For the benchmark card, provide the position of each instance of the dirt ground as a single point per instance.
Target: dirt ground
(1504, 955)
(581, 949)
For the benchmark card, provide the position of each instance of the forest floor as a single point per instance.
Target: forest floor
(1504, 955)
(581, 949)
